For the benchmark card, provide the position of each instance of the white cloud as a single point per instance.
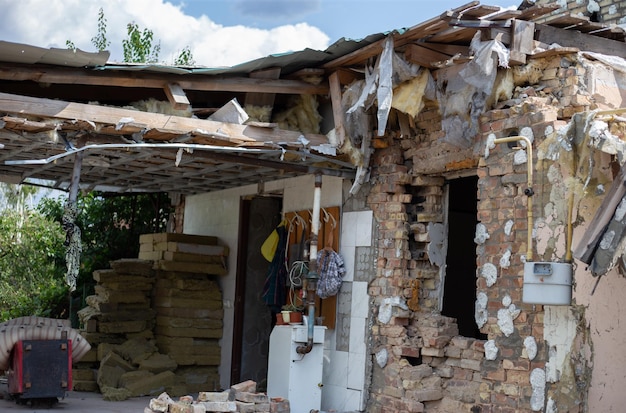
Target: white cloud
(50, 23)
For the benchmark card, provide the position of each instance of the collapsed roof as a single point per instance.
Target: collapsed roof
(275, 117)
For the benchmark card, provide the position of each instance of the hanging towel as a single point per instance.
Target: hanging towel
(268, 248)
(331, 271)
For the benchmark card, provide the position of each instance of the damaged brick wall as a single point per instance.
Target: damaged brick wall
(421, 363)
(604, 11)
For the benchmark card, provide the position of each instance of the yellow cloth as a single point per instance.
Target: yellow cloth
(268, 249)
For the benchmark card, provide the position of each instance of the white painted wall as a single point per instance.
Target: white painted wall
(217, 214)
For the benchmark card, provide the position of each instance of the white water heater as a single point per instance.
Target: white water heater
(547, 283)
(292, 376)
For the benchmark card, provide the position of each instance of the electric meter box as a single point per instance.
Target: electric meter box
(547, 283)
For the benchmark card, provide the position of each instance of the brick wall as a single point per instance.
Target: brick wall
(422, 364)
(604, 11)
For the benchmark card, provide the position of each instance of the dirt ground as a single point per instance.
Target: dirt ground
(75, 402)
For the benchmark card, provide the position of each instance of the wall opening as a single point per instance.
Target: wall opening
(459, 294)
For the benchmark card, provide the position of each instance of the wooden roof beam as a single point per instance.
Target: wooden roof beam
(176, 96)
(228, 132)
(65, 76)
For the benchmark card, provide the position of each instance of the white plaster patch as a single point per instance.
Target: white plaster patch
(607, 239)
(531, 347)
(621, 210)
(551, 406)
(480, 309)
(612, 9)
(505, 260)
(508, 227)
(527, 132)
(381, 357)
(593, 6)
(600, 189)
(505, 322)
(520, 158)
(506, 300)
(386, 308)
(490, 144)
(490, 273)
(549, 130)
(491, 350)
(436, 233)
(538, 384)
(481, 234)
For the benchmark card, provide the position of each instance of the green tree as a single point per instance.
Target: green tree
(185, 58)
(31, 265)
(100, 39)
(110, 227)
(138, 47)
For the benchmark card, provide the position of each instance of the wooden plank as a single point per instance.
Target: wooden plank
(62, 75)
(587, 245)
(522, 38)
(262, 99)
(571, 38)
(338, 111)
(421, 30)
(449, 49)
(415, 53)
(538, 10)
(554, 52)
(49, 108)
(176, 96)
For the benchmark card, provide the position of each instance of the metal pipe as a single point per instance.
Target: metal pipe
(528, 191)
(312, 276)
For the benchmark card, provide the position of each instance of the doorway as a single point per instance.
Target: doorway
(459, 295)
(253, 320)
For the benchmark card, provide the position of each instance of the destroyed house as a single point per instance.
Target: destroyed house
(468, 170)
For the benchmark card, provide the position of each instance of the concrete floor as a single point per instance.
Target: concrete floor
(76, 402)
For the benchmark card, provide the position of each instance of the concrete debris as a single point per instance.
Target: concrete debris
(240, 397)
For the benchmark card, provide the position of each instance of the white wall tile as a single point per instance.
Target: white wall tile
(360, 299)
(354, 400)
(348, 254)
(357, 335)
(364, 229)
(356, 371)
(348, 229)
(333, 398)
(335, 368)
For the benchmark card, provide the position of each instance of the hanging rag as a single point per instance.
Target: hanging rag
(331, 272)
(274, 290)
(268, 248)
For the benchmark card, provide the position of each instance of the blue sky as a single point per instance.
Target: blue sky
(218, 32)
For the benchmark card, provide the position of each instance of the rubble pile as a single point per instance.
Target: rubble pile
(241, 397)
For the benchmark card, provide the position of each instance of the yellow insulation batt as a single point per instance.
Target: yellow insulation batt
(38, 328)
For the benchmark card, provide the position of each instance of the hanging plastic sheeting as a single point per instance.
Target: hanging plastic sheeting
(389, 71)
(73, 244)
(464, 99)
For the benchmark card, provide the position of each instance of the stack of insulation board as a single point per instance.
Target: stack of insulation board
(188, 303)
(120, 309)
(184, 253)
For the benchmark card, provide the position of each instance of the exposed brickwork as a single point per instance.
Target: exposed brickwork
(429, 367)
(604, 11)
